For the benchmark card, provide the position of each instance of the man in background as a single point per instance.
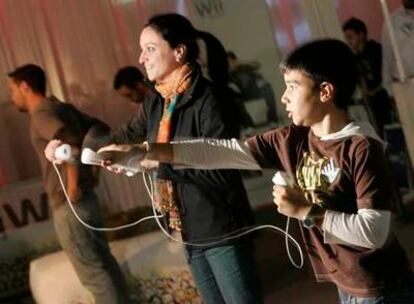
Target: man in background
(87, 249)
(368, 55)
(130, 83)
(251, 85)
(402, 21)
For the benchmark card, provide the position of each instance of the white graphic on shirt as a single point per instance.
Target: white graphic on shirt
(330, 171)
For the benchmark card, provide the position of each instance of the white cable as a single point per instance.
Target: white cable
(287, 236)
(226, 237)
(222, 238)
(93, 227)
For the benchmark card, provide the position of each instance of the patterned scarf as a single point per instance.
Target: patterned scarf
(165, 198)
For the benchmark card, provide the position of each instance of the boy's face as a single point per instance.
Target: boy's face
(301, 99)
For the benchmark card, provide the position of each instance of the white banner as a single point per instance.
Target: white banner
(22, 204)
(245, 28)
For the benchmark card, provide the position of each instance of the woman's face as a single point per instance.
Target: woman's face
(158, 58)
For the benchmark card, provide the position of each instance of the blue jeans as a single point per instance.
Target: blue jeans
(88, 251)
(225, 274)
(392, 298)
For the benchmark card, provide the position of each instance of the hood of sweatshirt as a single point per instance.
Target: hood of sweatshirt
(360, 128)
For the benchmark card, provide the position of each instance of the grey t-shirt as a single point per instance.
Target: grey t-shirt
(54, 119)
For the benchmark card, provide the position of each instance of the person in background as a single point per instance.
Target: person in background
(87, 250)
(368, 55)
(402, 21)
(251, 84)
(130, 83)
(214, 64)
(202, 205)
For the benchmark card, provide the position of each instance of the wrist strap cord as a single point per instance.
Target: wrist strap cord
(205, 242)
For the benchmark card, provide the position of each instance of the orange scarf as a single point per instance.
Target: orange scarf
(165, 198)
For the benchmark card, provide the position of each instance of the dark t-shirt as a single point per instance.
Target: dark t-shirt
(56, 120)
(369, 64)
(343, 175)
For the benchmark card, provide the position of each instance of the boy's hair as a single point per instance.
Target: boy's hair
(356, 25)
(128, 76)
(33, 75)
(327, 60)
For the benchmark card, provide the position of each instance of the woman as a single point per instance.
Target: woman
(203, 205)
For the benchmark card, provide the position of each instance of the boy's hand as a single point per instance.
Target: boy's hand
(291, 202)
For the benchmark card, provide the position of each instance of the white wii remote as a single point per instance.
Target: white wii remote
(281, 178)
(63, 152)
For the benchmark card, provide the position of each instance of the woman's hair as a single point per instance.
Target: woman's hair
(218, 71)
(217, 63)
(176, 30)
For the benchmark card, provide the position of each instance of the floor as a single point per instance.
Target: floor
(281, 281)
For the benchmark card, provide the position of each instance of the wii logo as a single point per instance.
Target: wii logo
(209, 8)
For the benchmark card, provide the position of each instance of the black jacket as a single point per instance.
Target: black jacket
(211, 202)
(370, 64)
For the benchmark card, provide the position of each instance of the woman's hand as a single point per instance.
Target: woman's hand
(107, 164)
(148, 165)
(291, 201)
(121, 158)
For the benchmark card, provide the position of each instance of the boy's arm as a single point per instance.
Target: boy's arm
(368, 228)
(206, 154)
(371, 225)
